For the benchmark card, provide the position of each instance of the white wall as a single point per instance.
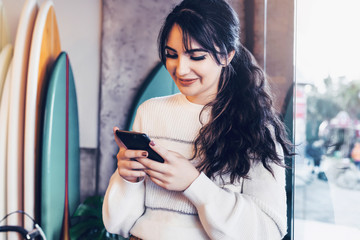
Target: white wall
(80, 35)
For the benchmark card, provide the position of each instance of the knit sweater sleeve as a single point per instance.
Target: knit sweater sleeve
(123, 205)
(254, 211)
(123, 201)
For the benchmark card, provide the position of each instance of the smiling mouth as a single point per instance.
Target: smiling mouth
(187, 81)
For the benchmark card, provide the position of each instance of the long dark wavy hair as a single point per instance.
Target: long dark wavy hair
(243, 126)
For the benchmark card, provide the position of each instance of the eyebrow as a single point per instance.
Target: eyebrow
(188, 51)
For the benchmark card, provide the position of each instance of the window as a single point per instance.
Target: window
(327, 120)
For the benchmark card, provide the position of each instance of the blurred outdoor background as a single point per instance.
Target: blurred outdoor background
(327, 126)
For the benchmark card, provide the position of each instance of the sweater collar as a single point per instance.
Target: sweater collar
(195, 106)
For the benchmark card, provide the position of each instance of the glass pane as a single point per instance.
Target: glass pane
(327, 126)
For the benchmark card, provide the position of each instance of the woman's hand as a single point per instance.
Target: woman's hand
(176, 173)
(128, 166)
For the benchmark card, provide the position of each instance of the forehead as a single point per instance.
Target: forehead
(176, 39)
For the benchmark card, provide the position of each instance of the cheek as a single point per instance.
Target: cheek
(170, 66)
(215, 67)
(202, 68)
(208, 69)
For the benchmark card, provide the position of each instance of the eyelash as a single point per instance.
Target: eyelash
(198, 58)
(174, 56)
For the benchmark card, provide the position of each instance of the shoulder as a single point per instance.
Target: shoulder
(163, 100)
(159, 103)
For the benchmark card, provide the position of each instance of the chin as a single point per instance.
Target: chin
(186, 91)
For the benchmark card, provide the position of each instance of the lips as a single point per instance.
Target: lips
(187, 81)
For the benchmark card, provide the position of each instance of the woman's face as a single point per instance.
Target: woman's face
(195, 72)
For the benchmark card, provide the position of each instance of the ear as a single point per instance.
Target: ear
(229, 58)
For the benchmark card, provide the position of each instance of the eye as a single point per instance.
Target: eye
(168, 55)
(197, 58)
(197, 54)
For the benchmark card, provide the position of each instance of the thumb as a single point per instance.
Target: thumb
(117, 139)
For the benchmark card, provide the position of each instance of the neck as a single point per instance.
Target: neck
(201, 100)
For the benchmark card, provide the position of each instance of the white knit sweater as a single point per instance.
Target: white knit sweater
(252, 209)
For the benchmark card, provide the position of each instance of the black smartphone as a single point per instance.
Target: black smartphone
(138, 141)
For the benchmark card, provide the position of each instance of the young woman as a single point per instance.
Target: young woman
(223, 145)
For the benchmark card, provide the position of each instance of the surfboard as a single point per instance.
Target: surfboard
(158, 83)
(4, 28)
(4, 110)
(5, 57)
(60, 151)
(16, 112)
(45, 47)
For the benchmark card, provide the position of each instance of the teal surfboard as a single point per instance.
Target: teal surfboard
(60, 151)
(159, 83)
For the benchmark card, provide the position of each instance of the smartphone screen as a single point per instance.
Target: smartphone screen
(138, 141)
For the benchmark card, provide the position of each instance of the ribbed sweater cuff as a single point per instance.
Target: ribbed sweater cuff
(201, 191)
(127, 185)
(132, 183)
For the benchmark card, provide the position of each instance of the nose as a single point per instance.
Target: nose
(183, 66)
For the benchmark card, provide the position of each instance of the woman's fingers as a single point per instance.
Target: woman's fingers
(153, 165)
(133, 165)
(158, 175)
(127, 168)
(117, 140)
(158, 182)
(126, 173)
(129, 154)
(131, 170)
